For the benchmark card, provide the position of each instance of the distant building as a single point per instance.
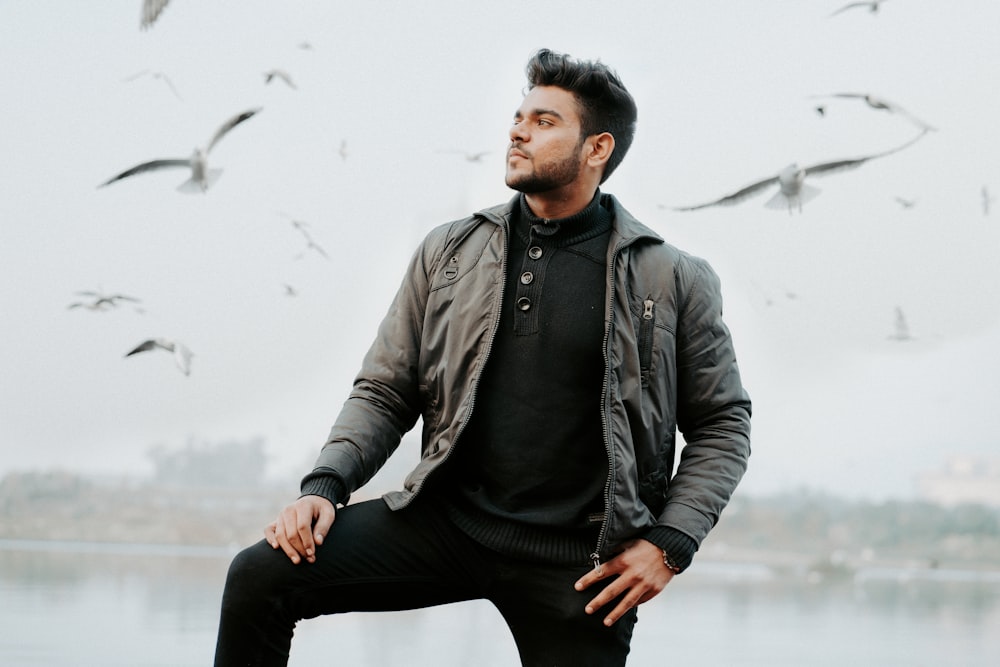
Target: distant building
(965, 479)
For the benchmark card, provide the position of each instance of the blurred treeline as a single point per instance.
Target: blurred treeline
(217, 494)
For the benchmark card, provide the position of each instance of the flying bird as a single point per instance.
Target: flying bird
(470, 157)
(182, 355)
(872, 5)
(270, 75)
(156, 75)
(150, 12)
(901, 329)
(792, 190)
(987, 200)
(343, 149)
(101, 302)
(881, 104)
(906, 203)
(310, 243)
(201, 176)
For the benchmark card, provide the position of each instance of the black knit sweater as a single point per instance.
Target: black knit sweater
(527, 477)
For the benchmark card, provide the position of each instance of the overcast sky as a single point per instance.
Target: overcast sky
(725, 95)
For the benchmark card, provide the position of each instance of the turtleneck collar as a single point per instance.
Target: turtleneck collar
(592, 221)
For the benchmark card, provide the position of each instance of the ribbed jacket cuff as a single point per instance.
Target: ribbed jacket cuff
(327, 486)
(679, 546)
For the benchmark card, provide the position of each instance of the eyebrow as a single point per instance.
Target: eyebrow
(541, 112)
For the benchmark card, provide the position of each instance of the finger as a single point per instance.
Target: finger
(606, 596)
(282, 537)
(621, 609)
(269, 535)
(592, 577)
(301, 535)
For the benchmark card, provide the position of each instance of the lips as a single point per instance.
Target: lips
(513, 152)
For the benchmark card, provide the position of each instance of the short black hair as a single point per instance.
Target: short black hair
(605, 104)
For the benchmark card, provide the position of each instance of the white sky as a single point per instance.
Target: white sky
(723, 92)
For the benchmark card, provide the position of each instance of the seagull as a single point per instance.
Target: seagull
(310, 243)
(902, 330)
(792, 189)
(101, 302)
(201, 176)
(906, 203)
(987, 200)
(150, 12)
(872, 6)
(882, 104)
(343, 149)
(470, 157)
(279, 74)
(182, 355)
(156, 75)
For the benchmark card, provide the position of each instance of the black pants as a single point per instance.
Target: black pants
(375, 559)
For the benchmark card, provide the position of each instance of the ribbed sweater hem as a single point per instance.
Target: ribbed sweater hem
(522, 541)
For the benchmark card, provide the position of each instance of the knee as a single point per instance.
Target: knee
(251, 575)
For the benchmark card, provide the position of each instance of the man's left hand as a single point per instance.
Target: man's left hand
(641, 575)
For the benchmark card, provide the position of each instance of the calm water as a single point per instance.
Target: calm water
(72, 604)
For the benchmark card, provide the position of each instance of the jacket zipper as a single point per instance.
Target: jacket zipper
(646, 340)
(595, 557)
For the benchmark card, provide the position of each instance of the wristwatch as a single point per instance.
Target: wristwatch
(669, 562)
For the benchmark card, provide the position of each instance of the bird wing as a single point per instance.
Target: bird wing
(852, 96)
(735, 197)
(170, 83)
(144, 346)
(148, 166)
(182, 357)
(150, 11)
(122, 297)
(851, 163)
(281, 74)
(850, 5)
(228, 125)
(882, 103)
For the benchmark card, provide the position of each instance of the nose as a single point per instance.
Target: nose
(518, 133)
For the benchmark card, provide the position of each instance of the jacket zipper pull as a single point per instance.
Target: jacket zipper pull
(596, 558)
(647, 309)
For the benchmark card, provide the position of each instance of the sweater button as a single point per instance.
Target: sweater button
(524, 303)
(534, 252)
(527, 277)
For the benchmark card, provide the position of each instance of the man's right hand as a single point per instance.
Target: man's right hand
(301, 527)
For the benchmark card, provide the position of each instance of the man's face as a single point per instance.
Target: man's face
(546, 149)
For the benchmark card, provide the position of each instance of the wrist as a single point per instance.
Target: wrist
(670, 562)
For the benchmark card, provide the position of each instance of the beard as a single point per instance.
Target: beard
(549, 176)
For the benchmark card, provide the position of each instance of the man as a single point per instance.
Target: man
(552, 347)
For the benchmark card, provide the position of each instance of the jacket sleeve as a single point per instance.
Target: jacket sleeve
(385, 400)
(713, 409)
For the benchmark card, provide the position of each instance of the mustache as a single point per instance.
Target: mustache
(519, 148)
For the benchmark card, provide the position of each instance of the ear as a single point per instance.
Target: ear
(600, 147)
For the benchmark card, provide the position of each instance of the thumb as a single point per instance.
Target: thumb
(323, 523)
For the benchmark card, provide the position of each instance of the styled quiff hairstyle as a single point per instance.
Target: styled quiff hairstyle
(605, 104)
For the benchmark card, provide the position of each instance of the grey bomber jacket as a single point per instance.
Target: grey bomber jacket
(670, 365)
